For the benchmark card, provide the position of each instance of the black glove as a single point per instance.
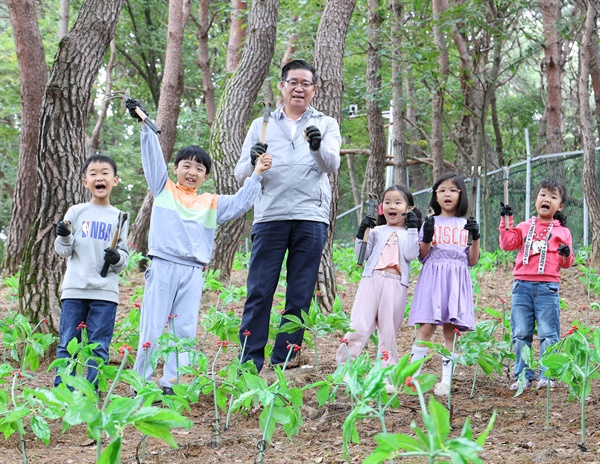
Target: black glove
(505, 210)
(131, 104)
(428, 229)
(473, 227)
(411, 220)
(257, 149)
(564, 250)
(313, 135)
(369, 222)
(63, 229)
(111, 256)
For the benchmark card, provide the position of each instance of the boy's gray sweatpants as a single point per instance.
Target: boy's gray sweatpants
(175, 290)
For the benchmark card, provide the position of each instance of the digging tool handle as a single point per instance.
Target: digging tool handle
(363, 247)
(147, 120)
(113, 244)
(506, 218)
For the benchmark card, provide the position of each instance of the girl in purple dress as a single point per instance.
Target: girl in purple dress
(444, 291)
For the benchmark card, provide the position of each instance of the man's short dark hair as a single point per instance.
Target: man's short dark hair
(99, 158)
(298, 64)
(195, 153)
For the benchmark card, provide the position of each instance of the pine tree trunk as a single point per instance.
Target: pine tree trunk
(375, 171)
(329, 55)
(229, 127)
(437, 151)
(587, 135)
(61, 153)
(33, 76)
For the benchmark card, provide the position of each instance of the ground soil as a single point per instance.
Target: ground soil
(519, 435)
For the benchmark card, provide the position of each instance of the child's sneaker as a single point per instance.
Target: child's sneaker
(441, 389)
(389, 388)
(515, 386)
(543, 383)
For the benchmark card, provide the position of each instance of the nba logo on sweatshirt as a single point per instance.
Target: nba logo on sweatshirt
(95, 230)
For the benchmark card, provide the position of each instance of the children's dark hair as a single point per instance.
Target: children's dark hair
(298, 64)
(195, 153)
(409, 200)
(99, 158)
(555, 185)
(463, 203)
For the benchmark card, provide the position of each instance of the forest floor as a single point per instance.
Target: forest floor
(519, 434)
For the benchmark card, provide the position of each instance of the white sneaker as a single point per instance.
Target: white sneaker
(543, 383)
(441, 389)
(515, 385)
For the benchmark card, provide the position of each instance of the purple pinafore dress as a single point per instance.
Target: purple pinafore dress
(444, 291)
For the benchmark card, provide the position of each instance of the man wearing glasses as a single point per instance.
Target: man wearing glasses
(292, 211)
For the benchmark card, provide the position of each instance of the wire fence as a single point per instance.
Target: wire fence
(523, 179)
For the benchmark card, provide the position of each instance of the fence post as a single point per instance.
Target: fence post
(528, 180)
(586, 219)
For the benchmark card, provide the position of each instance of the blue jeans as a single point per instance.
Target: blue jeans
(531, 302)
(303, 241)
(99, 317)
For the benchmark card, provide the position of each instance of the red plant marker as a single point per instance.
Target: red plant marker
(410, 382)
(146, 345)
(123, 348)
(344, 341)
(385, 355)
(81, 326)
(246, 333)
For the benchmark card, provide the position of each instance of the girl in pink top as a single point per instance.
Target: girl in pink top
(381, 297)
(544, 245)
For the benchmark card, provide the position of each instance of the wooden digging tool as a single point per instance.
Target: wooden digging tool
(473, 200)
(505, 172)
(371, 208)
(266, 116)
(113, 245)
(143, 116)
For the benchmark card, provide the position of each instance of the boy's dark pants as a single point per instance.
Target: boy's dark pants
(304, 241)
(99, 318)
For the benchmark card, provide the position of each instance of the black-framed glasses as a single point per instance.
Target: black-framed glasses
(293, 83)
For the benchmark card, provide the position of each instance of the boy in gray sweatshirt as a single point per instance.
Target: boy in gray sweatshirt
(84, 237)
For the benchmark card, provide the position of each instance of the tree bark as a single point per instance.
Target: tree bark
(63, 19)
(329, 55)
(437, 149)
(168, 108)
(61, 153)
(237, 33)
(552, 64)
(229, 127)
(33, 77)
(398, 106)
(587, 135)
(375, 172)
(204, 57)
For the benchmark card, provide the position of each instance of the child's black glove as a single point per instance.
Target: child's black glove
(131, 104)
(111, 256)
(313, 136)
(564, 250)
(411, 220)
(369, 222)
(505, 210)
(257, 150)
(473, 227)
(428, 229)
(63, 229)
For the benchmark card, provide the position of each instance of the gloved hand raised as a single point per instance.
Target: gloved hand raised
(313, 136)
(257, 149)
(111, 256)
(367, 221)
(428, 229)
(564, 250)
(131, 104)
(63, 229)
(505, 210)
(473, 227)
(411, 220)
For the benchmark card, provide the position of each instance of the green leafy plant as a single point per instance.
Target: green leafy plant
(26, 345)
(433, 443)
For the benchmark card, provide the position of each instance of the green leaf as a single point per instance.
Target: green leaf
(41, 429)
(112, 453)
